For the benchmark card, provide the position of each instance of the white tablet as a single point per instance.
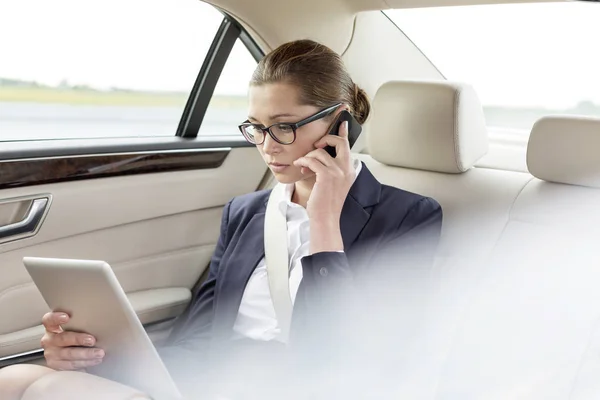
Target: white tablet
(91, 294)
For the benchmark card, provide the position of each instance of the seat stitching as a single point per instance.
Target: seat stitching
(510, 211)
(352, 35)
(581, 361)
(456, 145)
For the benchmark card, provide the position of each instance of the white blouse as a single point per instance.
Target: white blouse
(256, 317)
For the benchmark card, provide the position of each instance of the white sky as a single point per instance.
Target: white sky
(135, 44)
(525, 54)
(543, 54)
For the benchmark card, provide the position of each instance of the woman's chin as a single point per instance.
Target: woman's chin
(289, 177)
(285, 178)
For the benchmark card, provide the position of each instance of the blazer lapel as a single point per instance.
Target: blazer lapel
(353, 219)
(364, 193)
(241, 262)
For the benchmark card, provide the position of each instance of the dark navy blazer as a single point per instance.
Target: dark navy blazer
(384, 229)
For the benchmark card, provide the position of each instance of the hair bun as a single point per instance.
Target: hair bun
(361, 106)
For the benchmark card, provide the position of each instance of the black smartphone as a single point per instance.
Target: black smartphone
(354, 130)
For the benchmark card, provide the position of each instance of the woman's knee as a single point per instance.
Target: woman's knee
(14, 380)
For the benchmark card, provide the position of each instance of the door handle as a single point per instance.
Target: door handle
(29, 224)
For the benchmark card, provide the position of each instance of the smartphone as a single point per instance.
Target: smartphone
(354, 130)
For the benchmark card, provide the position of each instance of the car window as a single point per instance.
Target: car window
(229, 105)
(110, 68)
(524, 60)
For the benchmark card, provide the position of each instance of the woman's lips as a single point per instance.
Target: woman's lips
(276, 167)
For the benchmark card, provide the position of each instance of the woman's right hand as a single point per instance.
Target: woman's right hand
(67, 351)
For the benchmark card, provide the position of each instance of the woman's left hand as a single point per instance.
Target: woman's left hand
(334, 178)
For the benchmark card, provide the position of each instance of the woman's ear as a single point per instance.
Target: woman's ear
(343, 107)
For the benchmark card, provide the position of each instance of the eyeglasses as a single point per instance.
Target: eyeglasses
(281, 132)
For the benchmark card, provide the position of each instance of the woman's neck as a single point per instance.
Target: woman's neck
(302, 190)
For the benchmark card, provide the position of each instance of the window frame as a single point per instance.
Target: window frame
(193, 114)
(208, 76)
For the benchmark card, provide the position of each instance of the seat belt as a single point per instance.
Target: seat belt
(276, 257)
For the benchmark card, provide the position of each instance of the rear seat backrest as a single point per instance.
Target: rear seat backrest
(520, 306)
(532, 330)
(519, 316)
(425, 137)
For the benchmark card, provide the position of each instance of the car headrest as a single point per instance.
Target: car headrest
(428, 125)
(565, 149)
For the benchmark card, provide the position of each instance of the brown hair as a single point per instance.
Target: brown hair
(318, 72)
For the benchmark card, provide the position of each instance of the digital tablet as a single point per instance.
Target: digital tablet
(90, 293)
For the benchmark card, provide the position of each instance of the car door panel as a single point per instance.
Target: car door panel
(124, 168)
(156, 229)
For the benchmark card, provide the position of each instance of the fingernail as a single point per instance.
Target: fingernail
(88, 341)
(64, 318)
(99, 353)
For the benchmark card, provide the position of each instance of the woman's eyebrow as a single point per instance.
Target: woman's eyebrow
(281, 115)
(273, 117)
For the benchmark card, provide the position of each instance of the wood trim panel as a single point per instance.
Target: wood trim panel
(38, 171)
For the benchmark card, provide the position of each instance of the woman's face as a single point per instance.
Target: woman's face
(278, 103)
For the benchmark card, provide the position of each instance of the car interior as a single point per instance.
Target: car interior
(518, 260)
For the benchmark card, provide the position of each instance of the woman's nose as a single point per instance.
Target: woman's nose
(270, 146)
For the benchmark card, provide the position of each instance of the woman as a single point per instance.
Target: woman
(341, 226)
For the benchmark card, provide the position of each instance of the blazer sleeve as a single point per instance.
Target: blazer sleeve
(333, 297)
(411, 246)
(195, 323)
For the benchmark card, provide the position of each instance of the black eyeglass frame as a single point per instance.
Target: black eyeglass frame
(320, 114)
